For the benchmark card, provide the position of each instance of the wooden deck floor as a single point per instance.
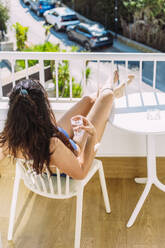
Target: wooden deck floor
(47, 223)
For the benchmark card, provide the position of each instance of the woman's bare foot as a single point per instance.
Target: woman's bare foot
(115, 77)
(119, 90)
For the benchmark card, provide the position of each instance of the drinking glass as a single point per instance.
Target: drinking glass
(77, 121)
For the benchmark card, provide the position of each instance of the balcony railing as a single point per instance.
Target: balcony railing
(148, 69)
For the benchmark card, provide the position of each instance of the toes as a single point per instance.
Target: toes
(116, 77)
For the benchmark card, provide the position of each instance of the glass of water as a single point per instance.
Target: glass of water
(153, 114)
(75, 122)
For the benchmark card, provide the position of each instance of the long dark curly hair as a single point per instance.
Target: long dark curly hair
(31, 124)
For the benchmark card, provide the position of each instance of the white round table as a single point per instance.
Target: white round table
(144, 114)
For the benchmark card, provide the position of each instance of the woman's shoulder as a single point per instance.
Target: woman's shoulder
(54, 142)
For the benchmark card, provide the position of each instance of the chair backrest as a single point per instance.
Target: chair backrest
(56, 186)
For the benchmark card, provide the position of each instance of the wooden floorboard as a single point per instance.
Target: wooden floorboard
(47, 223)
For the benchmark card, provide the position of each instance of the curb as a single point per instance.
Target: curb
(134, 44)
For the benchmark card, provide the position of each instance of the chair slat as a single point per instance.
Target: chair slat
(58, 181)
(67, 185)
(43, 183)
(30, 175)
(50, 183)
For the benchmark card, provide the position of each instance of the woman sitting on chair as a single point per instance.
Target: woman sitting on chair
(31, 131)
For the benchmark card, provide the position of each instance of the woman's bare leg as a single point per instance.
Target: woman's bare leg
(99, 113)
(88, 104)
(80, 108)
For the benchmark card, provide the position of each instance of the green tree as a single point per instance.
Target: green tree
(144, 21)
(64, 81)
(4, 17)
(156, 8)
(21, 35)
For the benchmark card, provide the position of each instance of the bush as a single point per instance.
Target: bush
(4, 17)
(64, 81)
(21, 35)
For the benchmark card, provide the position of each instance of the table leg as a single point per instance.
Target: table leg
(142, 180)
(151, 177)
(139, 204)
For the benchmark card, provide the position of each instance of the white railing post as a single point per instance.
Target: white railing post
(1, 93)
(140, 81)
(41, 72)
(56, 71)
(26, 67)
(70, 81)
(84, 77)
(98, 75)
(126, 93)
(13, 71)
(154, 75)
(112, 70)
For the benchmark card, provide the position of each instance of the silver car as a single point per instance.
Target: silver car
(61, 17)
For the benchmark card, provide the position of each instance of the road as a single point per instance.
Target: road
(19, 12)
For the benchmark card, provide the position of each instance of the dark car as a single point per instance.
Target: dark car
(90, 35)
(40, 6)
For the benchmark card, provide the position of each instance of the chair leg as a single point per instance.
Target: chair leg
(79, 205)
(104, 189)
(13, 204)
(0, 241)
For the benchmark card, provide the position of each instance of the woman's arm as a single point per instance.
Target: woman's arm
(64, 159)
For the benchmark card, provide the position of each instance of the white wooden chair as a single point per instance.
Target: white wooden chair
(56, 187)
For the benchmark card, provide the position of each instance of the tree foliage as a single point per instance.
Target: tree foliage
(4, 17)
(144, 21)
(155, 8)
(21, 35)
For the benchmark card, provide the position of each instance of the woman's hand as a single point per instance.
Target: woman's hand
(86, 126)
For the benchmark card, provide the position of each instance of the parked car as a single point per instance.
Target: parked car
(90, 35)
(25, 1)
(61, 17)
(40, 6)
